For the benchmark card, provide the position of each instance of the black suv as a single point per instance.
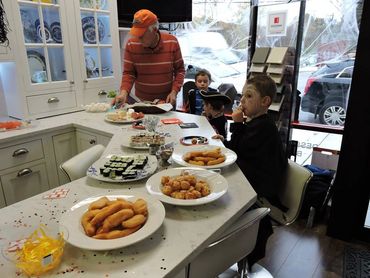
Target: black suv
(326, 92)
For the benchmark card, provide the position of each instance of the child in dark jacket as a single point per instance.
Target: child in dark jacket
(213, 109)
(195, 102)
(261, 155)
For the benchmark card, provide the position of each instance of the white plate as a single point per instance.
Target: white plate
(218, 185)
(127, 139)
(70, 224)
(180, 151)
(94, 170)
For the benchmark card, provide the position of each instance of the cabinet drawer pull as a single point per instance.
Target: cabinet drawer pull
(53, 100)
(85, 81)
(24, 172)
(20, 152)
(102, 93)
(92, 141)
(71, 82)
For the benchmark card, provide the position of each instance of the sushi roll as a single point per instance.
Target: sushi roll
(107, 164)
(106, 172)
(113, 158)
(112, 174)
(119, 171)
(102, 170)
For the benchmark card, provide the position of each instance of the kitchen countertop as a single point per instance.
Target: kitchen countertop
(186, 231)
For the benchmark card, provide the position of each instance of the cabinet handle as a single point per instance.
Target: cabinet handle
(20, 152)
(24, 172)
(92, 141)
(102, 93)
(71, 82)
(53, 100)
(85, 81)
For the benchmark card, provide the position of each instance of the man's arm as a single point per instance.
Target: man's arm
(128, 75)
(179, 69)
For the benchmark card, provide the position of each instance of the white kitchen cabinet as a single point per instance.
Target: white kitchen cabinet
(24, 181)
(65, 147)
(87, 139)
(65, 54)
(2, 200)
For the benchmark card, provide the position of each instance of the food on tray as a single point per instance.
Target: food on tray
(126, 167)
(145, 139)
(205, 158)
(122, 115)
(109, 219)
(10, 124)
(97, 107)
(185, 186)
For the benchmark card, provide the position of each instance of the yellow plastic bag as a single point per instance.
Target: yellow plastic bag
(40, 253)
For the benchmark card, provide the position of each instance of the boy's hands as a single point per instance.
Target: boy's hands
(237, 115)
(218, 136)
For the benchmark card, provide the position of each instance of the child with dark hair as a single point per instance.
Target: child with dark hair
(214, 104)
(202, 81)
(261, 155)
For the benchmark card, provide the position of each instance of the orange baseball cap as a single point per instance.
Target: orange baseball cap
(142, 20)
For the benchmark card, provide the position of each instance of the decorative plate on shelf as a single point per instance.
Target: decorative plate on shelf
(37, 66)
(56, 32)
(139, 173)
(70, 223)
(218, 185)
(88, 30)
(48, 37)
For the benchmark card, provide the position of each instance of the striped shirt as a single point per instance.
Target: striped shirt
(155, 72)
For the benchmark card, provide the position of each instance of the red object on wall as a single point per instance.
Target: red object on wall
(276, 20)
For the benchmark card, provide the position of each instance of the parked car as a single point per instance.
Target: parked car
(326, 92)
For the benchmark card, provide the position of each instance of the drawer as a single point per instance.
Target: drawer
(51, 102)
(25, 182)
(21, 153)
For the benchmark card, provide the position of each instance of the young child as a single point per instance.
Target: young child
(214, 103)
(261, 155)
(202, 81)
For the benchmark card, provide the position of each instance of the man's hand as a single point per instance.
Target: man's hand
(171, 98)
(238, 115)
(121, 99)
(218, 136)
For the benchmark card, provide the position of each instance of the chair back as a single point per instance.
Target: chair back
(291, 194)
(233, 245)
(77, 166)
(229, 90)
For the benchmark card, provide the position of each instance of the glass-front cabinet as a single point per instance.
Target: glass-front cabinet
(64, 49)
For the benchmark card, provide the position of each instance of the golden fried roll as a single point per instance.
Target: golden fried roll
(165, 179)
(105, 212)
(140, 207)
(116, 233)
(134, 221)
(85, 221)
(205, 191)
(98, 204)
(217, 161)
(116, 218)
(200, 163)
(185, 185)
(203, 158)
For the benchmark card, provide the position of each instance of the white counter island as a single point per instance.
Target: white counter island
(185, 232)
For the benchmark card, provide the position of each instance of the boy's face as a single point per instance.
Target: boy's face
(202, 82)
(252, 103)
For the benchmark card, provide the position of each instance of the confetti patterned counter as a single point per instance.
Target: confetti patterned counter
(185, 232)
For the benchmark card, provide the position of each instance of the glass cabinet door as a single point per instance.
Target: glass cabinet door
(97, 39)
(43, 39)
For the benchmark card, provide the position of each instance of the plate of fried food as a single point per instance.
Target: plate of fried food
(123, 116)
(187, 186)
(107, 222)
(204, 156)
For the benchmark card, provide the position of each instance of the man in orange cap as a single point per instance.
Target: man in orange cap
(152, 61)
